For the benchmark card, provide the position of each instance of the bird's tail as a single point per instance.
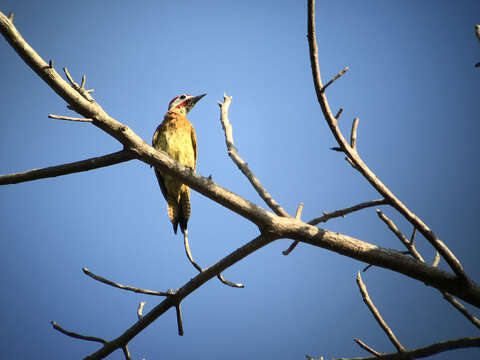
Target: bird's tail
(179, 210)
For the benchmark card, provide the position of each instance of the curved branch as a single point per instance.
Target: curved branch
(65, 169)
(358, 163)
(124, 287)
(76, 335)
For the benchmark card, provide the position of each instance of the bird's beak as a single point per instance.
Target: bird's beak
(195, 99)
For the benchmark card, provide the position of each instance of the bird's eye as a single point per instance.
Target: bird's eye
(182, 97)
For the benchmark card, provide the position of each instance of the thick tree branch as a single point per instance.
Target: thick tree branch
(358, 163)
(65, 169)
(242, 165)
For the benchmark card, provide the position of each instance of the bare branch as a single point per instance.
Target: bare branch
(436, 259)
(336, 77)
(126, 353)
(340, 111)
(408, 244)
(77, 336)
(229, 283)
(50, 64)
(140, 309)
(412, 238)
(292, 246)
(242, 165)
(358, 163)
(366, 347)
(178, 310)
(426, 351)
(69, 118)
(353, 135)
(10, 17)
(341, 213)
(199, 268)
(473, 319)
(124, 287)
(65, 169)
(376, 314)
(189, 254)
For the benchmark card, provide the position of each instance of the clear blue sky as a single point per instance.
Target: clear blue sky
(411, 82)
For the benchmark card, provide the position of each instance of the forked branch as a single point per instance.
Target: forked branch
(359, 164)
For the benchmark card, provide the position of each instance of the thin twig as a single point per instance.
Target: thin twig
(126, 352)
(472, 318)
(436, 259)
(335, 78)
(229, 283)
(140, 309)
(342, 212)
(376, 314)
(189, 254)
(199, 268)
(79, 88)
(294, 243)
(408, 244)
(366, 347)
(65, 169)
(340, 111)
(414, 233)
(242, 165)
(77, 336)
(10, 16)
(124, 287)
(178, 311)
(426, 351)
(360, 165)
(353, 135)
(69, 118)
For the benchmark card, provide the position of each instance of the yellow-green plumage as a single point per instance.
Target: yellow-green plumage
(176, 136)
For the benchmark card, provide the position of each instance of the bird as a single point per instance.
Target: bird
(176, 136)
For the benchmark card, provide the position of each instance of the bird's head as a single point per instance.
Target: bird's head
(184, 102)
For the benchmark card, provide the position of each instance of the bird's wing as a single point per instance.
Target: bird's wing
(156, 145)
(194, 144)
(161, 182)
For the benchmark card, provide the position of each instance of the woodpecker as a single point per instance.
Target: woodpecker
(176, 136)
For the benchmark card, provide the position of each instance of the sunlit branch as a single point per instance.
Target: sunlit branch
(242, 165)
(376, 314)
(359, 164)
(408, 244)
(70, 168)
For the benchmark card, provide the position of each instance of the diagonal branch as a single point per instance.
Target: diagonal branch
(70, 168)
(408, 244)
(242, 165)
(358, 163)
(376, 314)
(125, 287)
